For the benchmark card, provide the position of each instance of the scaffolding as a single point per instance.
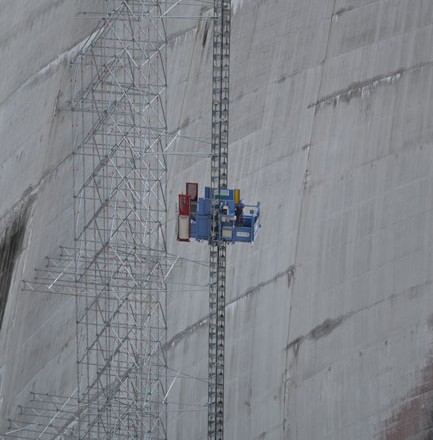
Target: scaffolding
(118, 267)
(120, 125)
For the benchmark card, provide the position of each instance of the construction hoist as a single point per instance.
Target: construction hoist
(218, 217)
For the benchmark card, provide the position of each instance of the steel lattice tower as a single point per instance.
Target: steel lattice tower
(118, 269)
(219, 176)
(119, 105)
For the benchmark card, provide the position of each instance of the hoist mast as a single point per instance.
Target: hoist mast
(218, 216)
(219, 176)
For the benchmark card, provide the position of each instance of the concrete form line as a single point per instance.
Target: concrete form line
(48, 69)
(290, 273)
(330, 324)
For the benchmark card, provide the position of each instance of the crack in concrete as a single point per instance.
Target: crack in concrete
(363, 88)
(286, 387)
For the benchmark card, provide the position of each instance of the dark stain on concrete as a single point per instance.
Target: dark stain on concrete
(185, 123)
(247, 403)
(10, 246)
(295, 345)
(205, 33)
(414, 418)
(341, 11)
(249, 400)
(326, 328)
(430, 322)
(322, 330)
(290, 275)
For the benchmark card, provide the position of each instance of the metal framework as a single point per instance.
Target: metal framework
(118, 267)
(120, 125)
(219, 176)
(45, 416)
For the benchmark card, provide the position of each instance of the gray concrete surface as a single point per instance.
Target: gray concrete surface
(38, 39)
(330, 313)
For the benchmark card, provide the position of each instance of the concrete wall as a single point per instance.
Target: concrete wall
(330, 312)
(38, 39)
(329, 315)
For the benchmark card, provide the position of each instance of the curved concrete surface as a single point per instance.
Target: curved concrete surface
(330, 313)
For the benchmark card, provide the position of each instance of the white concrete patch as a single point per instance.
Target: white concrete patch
(236, 5)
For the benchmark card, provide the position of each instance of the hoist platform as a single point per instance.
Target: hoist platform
(237, 222)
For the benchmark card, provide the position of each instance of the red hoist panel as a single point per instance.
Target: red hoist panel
(192, 190)
(183, 230)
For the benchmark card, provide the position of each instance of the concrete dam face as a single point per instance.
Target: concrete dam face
(329, 315)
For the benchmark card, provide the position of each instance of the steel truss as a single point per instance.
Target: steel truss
(120, 125)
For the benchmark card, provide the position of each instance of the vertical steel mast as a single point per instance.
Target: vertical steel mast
(219, 176)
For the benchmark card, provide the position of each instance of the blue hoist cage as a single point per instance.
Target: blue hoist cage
(237, 222)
